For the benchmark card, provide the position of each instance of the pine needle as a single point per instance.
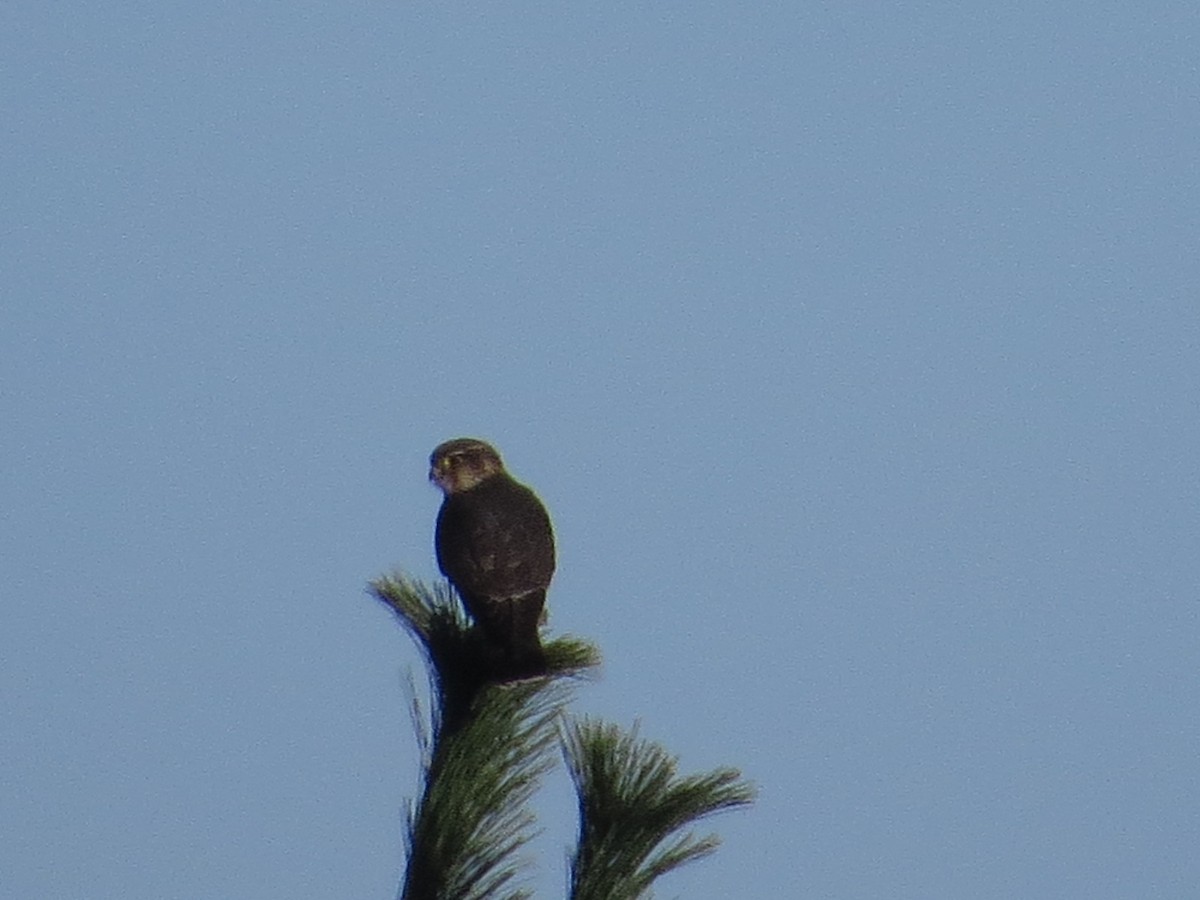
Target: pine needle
(491, 744)
(632, 806)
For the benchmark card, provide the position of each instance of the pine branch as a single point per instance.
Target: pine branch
(490, 745)
(472, 818)
(631, 804)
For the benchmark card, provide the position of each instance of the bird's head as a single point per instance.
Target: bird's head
(462, 463)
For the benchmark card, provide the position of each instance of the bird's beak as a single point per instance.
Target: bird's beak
(437, 475)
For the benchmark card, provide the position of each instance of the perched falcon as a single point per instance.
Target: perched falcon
(495, 544)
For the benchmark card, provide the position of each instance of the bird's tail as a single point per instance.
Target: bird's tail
(511, 627)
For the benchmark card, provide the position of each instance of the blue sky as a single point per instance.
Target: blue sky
(856, 352)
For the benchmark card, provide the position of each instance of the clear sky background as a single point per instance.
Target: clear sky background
(855, 350)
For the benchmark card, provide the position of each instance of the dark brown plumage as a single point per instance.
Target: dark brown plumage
(495, 543)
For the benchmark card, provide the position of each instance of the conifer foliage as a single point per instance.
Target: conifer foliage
(486, 747)
(633, 808)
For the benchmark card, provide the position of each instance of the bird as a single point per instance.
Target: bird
(495, 544)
